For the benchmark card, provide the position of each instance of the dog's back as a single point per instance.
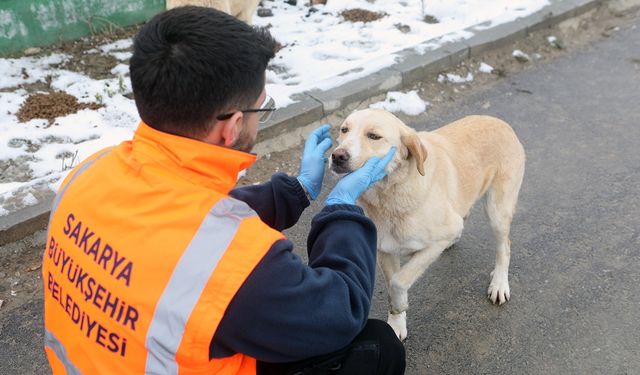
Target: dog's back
(241, 9)
(482, 149)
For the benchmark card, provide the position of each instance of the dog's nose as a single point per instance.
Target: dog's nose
(340, 156)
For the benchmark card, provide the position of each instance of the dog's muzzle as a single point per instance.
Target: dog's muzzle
(340, 161)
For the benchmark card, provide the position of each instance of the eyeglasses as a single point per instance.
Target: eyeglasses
(265, 110)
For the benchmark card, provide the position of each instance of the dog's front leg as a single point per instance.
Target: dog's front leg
(390, 265)
(402, 280)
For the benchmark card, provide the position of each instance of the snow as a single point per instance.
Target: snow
(29, 200)
(13, 70)
(117, 45)
(521, 55)
(485, 68)
(321, 51)
(454, 78)
(122, 56)
(120, 70)
(409, 103)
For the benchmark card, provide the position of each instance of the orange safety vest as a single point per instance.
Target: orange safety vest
(145, 251)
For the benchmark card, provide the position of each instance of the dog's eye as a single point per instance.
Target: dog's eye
(373, 136)
(344, 130)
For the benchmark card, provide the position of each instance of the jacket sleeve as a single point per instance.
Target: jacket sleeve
(288, 311)
(278, 202)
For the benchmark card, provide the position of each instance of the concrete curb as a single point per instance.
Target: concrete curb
(410, 68)
(26, 221)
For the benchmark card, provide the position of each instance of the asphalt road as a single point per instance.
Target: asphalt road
(575, 267)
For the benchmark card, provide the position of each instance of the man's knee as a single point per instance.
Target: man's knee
(392, 356)
(375, 351)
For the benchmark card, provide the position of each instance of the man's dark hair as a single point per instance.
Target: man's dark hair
(191, 64)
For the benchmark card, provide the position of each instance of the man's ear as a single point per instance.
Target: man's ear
(416, 149)
(231, 129)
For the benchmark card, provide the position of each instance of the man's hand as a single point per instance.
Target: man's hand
(351, 186)
(313, 160)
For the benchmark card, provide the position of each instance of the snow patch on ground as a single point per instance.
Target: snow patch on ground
(26, 70)
(117, 45)
(521, 56)
(485, 68)
(454, 78)
(29, 200)
(409, 103)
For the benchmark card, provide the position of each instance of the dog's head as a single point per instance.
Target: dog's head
(372, 132)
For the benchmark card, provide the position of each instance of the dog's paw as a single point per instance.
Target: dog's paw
(399, 324)
(498, 291)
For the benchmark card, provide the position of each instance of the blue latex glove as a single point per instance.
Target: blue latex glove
(351, 186)
(313, 160)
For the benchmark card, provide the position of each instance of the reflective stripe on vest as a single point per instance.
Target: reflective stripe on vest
(189, 278)
(49, 339)
(52, 343)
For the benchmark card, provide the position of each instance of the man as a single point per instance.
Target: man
(155, 265)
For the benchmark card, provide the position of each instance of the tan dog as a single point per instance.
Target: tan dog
(241, 9)
(433, 181)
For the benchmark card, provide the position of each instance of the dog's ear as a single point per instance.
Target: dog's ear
(416, 149)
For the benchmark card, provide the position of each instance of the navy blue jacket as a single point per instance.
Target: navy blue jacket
(287, 310)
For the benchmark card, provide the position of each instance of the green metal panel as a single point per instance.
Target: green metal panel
(30, 23)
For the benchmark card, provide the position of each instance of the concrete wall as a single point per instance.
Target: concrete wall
(30, 23)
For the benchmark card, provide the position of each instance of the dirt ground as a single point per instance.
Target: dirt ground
(51, 105)
(20, 262)
(20, 272)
